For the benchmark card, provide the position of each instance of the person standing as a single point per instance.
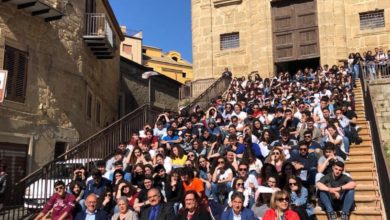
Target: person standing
(3, 184)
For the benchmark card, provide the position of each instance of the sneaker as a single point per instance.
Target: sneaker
(332, 215)
(344, 216)
(347, 159)
(358, 128)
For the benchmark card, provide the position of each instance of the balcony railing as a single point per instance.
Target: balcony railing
(376, 70)
(97, 26)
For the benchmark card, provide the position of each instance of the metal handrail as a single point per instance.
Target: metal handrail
(375, 70)
(214, 90)
(75, 148)
(34, 190)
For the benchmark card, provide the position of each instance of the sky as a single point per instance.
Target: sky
(165, 24)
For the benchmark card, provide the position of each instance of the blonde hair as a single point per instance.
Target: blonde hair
(278, 195)
(281, 156)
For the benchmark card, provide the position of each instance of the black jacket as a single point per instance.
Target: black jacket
(165, 212)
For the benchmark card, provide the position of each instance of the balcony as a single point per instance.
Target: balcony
(99, 36)
(37, 8)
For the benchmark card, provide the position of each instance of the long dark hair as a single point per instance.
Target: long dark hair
(299, 184)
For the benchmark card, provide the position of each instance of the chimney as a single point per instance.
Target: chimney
(123, 29)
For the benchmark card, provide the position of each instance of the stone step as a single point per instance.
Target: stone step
(367, 190)
(363, 131)
(365, 180)
(360, 152)
(359, 157)
(364, 144)
(360, 214)
(368, 162)
(366, 201)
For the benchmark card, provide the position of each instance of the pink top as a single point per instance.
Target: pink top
(60, 206)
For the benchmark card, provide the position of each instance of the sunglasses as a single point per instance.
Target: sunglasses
(191, 155)
(242, 169)
(285, 199)
(240, 184)
(292, 184)
(275, 153)
(307, 136)
(303, 149)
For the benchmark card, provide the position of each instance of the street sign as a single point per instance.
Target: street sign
(3, 82)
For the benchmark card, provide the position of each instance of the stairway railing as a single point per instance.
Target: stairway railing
(212, 92)
(34, 190)
(380, 160)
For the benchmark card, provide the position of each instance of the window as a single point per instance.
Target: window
(127, 49)
(229, 41)
(372, 19)
(174, 58)
(184, 74)
(15, 61)
(89, 105)
(98, 112)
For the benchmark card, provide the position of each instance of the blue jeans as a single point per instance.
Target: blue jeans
(217, 195)
(344, 204)
(371, 70)
(355, 73)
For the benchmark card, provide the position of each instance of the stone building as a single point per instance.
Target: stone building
(161, 91)
(131, 47)
(272, 35)
(170, 64)
(63, 77)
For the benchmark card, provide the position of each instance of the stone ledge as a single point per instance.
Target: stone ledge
(221, 3)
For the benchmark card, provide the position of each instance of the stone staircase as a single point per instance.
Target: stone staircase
(362, 168)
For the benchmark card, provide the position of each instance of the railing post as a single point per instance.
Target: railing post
(120, 131)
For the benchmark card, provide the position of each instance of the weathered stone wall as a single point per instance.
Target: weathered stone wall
(252, 19)
(338, 24)
(380, 95)
(60, 70)
(339, 28)
(164, 91)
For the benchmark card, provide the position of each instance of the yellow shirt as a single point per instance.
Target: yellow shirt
(179, 162)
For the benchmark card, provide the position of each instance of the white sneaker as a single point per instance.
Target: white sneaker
(357, 127)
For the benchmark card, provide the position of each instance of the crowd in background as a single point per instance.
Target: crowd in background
(375, 63)
(268, 148)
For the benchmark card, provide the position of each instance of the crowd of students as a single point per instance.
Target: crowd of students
(374, 63)
(268, 148)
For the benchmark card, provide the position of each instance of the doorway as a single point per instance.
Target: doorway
(295, 65)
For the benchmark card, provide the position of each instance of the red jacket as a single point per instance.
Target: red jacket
(270, 214)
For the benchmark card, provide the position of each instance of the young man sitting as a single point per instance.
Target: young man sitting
(337, 192)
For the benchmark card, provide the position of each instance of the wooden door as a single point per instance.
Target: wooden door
(295, 30)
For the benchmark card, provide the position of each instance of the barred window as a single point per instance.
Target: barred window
(229, 41)
(372, 19)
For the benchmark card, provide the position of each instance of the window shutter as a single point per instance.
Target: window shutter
(16, 63)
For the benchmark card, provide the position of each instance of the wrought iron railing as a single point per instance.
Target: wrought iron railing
(376, 70)
(28, 195)
(97, 25)
(213, 91)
